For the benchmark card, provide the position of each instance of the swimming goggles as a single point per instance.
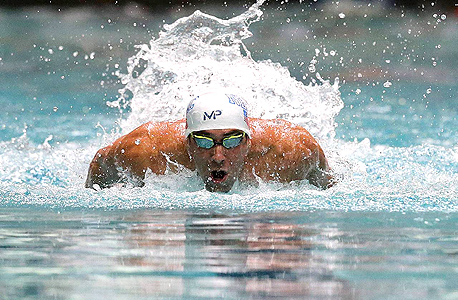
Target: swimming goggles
(229, 142)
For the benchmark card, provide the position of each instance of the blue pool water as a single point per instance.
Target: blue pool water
(74, 80)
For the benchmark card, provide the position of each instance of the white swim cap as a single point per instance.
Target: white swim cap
(217, 110)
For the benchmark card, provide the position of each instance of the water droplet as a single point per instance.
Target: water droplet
(55, 108)
(387, 84)
(342, 15)
(137, 142)
(428, 91)
(358, 91)
(122, 150)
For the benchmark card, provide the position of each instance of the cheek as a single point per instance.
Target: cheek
(200, 159)
(238, 158)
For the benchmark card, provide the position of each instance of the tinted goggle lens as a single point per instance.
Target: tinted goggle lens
(228, 142)
(203, 141)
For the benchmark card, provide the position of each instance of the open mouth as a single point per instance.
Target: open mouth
(218, 176)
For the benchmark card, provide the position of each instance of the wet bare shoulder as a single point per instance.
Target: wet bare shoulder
(281, 137)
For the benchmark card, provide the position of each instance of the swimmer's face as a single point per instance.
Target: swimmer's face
(218, 166)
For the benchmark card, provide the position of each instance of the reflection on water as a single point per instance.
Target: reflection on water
(398, 83)
(184, 255)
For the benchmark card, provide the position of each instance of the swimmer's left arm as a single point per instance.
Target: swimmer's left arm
(318, 171)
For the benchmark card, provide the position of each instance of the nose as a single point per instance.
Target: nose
(218, 154)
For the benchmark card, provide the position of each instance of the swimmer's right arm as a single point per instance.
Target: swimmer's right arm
(124, 161)
(102, 170)
(149, 147)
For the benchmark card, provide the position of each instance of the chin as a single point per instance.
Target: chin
(218, 187)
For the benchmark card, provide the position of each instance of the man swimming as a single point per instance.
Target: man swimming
(220, 142)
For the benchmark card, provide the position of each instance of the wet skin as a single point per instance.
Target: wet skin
(219, 167)
(278, 150)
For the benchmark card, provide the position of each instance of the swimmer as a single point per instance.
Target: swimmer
(220, 142)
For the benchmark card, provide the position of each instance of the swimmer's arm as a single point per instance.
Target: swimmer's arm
(149, 147)
(320, 174)
(315, 164)
(125, 161)
(102, 170)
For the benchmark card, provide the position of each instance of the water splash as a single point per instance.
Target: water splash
(158, 86)
(202, 52)
(377, 178)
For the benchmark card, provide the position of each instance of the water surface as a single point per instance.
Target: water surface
(388, 230)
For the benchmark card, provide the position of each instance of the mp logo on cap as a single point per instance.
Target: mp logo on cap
(212, 115)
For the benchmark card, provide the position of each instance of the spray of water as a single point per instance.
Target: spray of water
(202, 52)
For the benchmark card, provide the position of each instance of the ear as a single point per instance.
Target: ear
(248, 145)
(188, 148)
